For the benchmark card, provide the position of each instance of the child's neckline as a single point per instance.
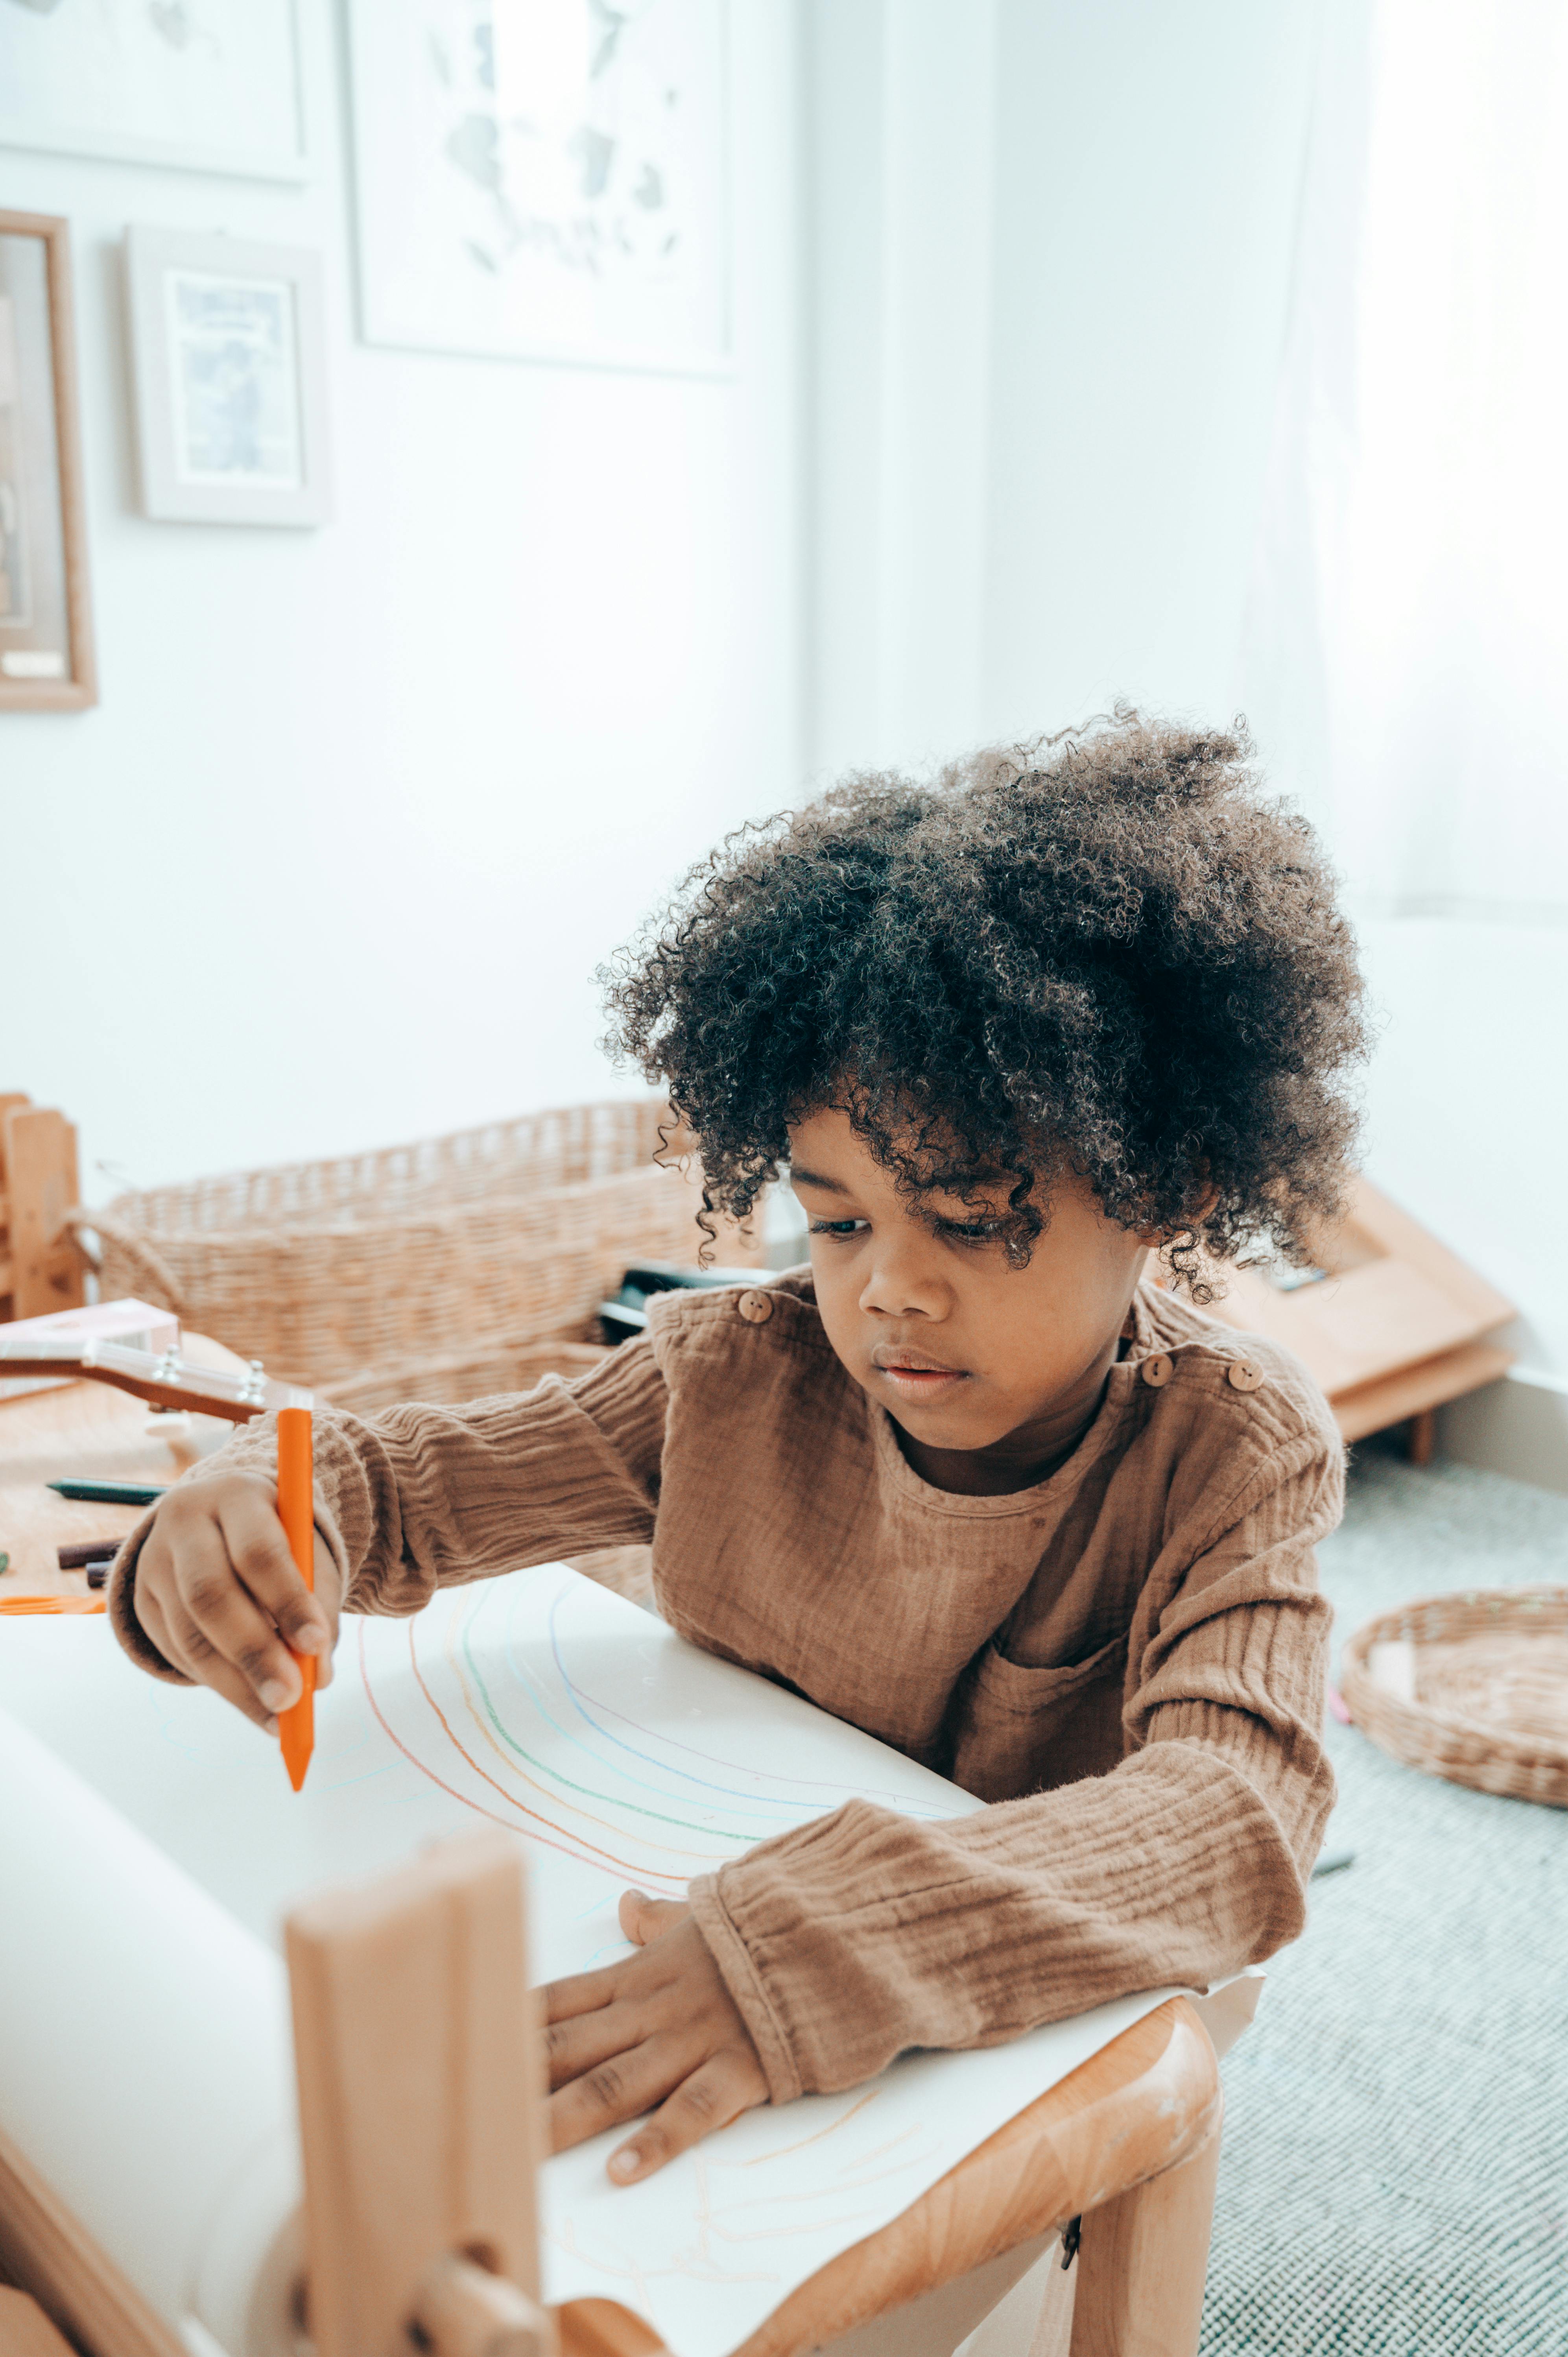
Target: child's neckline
(1063, 1478)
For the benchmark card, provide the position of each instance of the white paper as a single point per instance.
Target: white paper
(620, 1755)
(145, 2062)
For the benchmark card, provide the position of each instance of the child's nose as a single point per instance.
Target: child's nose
(904, 1281)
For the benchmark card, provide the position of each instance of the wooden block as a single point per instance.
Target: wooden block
(421, 2088)
(463, 2312)
(8, 1101)
(1411, 1391)
(1394, 1298)
(41, 1182)
(26, 2331)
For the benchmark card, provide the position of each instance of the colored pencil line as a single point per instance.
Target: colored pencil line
(598, 1857)
(457, 1634)
(424, 1768)
(580, 1696)
(610, 1800)
(523, 1676)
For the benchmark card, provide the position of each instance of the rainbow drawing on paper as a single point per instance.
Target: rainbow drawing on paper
(522, 1732)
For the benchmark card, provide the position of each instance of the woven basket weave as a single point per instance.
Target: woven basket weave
(1490, 1674)
(438, 1270)
(497, 1363)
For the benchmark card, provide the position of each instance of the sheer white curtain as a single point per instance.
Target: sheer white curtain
(1406, 657)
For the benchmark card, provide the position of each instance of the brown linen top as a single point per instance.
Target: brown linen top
(1126, 1660)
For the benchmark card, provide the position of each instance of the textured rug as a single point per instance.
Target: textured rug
(1395, 2174)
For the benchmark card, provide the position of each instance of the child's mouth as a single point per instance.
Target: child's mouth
(918, 1378)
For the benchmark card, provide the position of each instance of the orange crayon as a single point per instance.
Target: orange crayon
(296, 1725)
(52, 1603)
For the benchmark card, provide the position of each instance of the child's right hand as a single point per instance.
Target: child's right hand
(218, 1594)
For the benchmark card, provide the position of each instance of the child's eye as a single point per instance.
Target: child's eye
(970, 1232)
(836, 1227)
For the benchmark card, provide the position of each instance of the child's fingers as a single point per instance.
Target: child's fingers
(226, 1624)
(616, 2091)
(573, 2046)
(184, 1647)
(260, 1555)
(715, 2093)
(580, 1993)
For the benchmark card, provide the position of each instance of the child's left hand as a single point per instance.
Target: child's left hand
(659, 2029)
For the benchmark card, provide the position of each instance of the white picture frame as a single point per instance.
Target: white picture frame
(198, 85)
(229, 347)
(546, 179)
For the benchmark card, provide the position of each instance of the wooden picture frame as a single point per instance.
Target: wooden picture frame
(229, 339)
(47, 662)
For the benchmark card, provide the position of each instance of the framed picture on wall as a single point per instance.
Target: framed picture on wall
(544, 181)
(46, 621)
(206, 85)
(229, 345)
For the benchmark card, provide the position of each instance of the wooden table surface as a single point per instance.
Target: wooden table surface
(91, 1431)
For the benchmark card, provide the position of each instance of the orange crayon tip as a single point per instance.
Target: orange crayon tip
(296, 1725)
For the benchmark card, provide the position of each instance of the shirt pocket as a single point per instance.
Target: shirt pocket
(1023, 1729)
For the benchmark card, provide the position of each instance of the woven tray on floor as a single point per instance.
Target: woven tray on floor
(1476, 1690)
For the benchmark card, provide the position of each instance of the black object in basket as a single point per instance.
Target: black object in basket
(626, 1313)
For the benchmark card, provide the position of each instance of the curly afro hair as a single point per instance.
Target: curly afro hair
(1103, 952)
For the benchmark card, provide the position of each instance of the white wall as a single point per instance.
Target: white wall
(1052, 256)
(1052, 253)
(361, 808)
(1148, 166)
(1467, 1113)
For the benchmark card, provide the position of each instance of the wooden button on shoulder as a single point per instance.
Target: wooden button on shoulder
(1157, 1372)
(757, 1309)
(1243, 1376)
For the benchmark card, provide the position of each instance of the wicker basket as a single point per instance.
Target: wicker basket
(500, 1364)
(1485, 1675)
(436, 1270)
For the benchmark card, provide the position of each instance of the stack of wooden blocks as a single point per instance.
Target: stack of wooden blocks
(40, 1268)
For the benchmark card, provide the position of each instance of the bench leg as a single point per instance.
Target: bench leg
(1142, 2263)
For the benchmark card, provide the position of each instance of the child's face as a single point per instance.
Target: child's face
(967, 1352)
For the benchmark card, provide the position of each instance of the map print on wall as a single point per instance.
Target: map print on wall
(208, 85)
(545, 178)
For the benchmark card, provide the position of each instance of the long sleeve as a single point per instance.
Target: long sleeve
(866, 1933)
(421, 1497)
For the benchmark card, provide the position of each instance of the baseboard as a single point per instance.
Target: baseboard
(1518, 1427)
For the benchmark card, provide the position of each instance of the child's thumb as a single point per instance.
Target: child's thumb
(645, 1919)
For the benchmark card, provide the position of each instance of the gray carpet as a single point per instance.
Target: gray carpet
(1395, 2174)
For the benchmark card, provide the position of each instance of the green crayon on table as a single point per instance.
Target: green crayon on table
(111, 1493)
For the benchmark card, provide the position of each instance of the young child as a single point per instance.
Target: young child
(971, 1481)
